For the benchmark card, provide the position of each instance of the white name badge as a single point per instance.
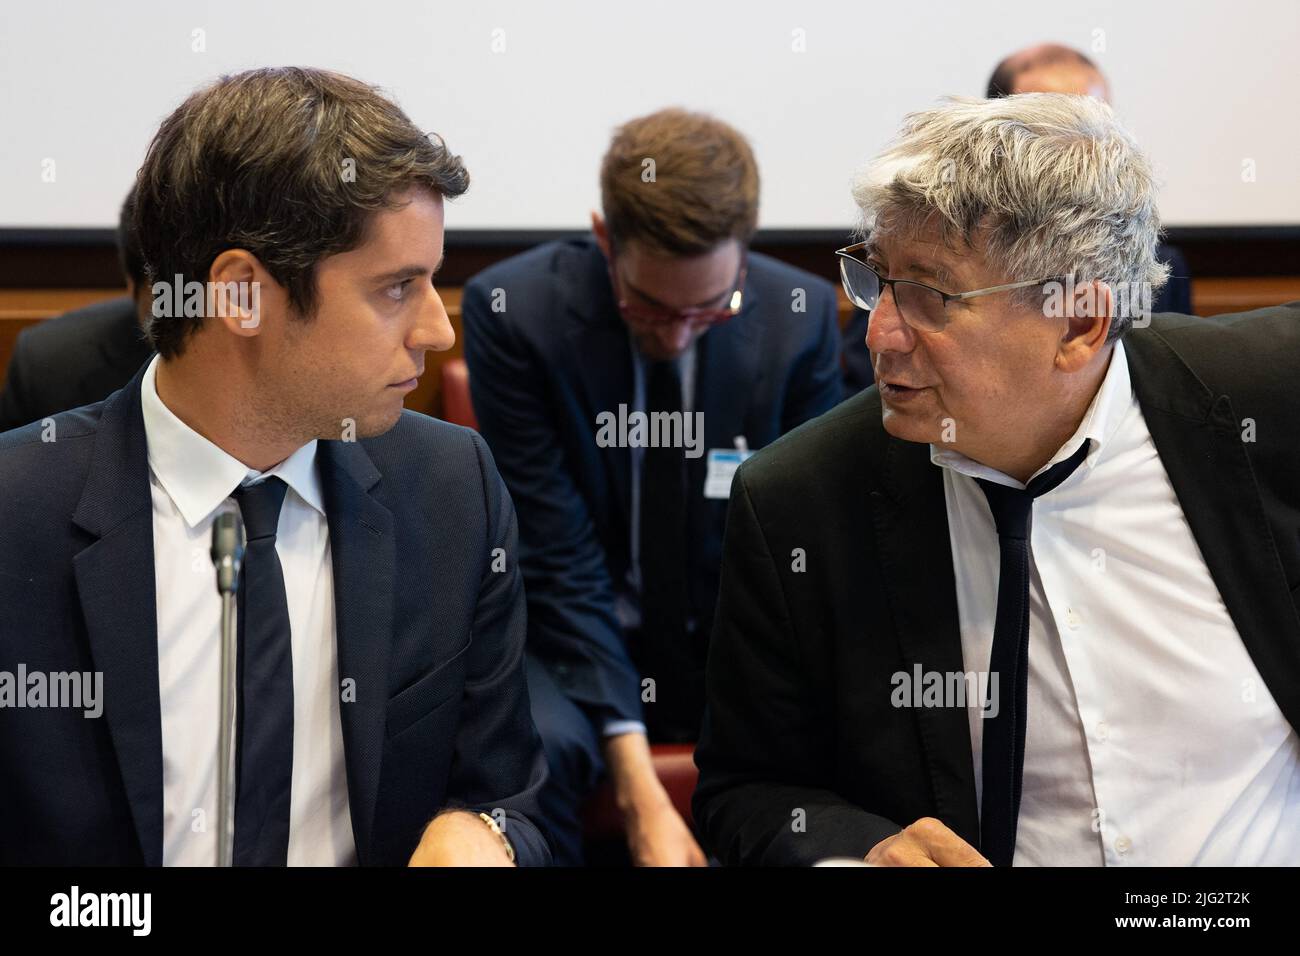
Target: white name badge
(722, 466)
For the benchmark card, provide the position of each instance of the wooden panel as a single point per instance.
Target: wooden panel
(1217, 296)
(35, 304)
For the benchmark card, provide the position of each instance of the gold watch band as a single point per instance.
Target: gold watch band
(501, 834)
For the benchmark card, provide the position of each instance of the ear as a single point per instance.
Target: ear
(600, 231)
(1087, 325)
(235, 284)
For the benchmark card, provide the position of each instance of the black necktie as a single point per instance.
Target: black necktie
(664, 653)
(264, 722)
(1004, 735)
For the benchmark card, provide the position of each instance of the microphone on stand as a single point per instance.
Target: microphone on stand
(227, 557)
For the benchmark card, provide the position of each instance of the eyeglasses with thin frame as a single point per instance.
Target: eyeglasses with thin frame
(706, 316)
(922, 306)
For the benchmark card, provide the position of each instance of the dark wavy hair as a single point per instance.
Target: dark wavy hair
(288, 163)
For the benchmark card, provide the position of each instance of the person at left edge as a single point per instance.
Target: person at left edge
(382, 614)
(84, 355)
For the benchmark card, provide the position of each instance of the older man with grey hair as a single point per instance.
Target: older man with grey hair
(1032, 597)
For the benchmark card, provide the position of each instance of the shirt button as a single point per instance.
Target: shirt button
(1103, 731)
(1123, 844)
(1073, 619)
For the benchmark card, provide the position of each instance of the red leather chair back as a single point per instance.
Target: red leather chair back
(456, 405)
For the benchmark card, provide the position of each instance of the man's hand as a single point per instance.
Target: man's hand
(658, 836)
(927, 842)
(459, 838)
(656, 833)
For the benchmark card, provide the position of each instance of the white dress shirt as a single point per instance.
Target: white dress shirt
(191, 478)
(1151, 738)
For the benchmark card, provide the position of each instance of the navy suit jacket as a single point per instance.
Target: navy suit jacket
(559, 354)
(430, 633)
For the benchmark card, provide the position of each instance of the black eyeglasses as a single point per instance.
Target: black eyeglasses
(923, 307)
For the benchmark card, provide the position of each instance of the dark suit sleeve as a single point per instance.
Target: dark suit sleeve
(499, 763)
(572, 627)
(858, 373)
(815, 385)
(14, 401)
(765, 794)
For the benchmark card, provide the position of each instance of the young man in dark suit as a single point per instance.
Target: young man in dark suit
(1049, 614)
(575, 350)
(83, 355)
(292, 222)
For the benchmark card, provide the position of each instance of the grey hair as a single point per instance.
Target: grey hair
(1047, 184)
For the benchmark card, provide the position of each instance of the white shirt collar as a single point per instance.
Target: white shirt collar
(1103, 417)
(197, 475)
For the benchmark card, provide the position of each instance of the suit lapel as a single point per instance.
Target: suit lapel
(600, 341)
(115, 583)
(363, 549)
(725, 378)
(911, 520)
(1198, 436)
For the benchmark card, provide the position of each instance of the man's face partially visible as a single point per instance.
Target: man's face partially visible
(1076, 78)
(377, 313)
(665, 284)
(969, 385)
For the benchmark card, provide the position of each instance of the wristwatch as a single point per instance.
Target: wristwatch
(501, 834)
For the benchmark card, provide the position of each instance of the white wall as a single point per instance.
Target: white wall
(1205, 85)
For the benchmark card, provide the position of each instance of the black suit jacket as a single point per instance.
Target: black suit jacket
(66, 362)
(430, 633)
(558, 355)
(799, 714)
